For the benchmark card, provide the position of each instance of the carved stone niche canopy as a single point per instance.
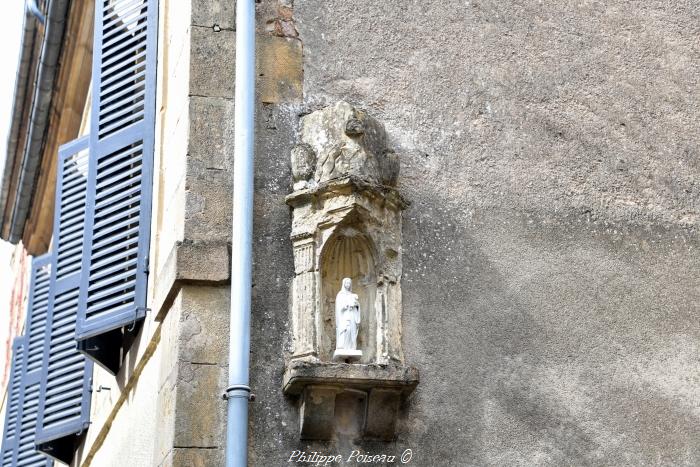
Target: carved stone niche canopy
(346, 224)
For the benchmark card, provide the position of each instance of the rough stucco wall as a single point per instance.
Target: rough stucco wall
(546, 106)
(550, 252)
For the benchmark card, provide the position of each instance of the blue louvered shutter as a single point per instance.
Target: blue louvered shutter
(64, 396)
(9, 437)
(35, 334)
(117, 234)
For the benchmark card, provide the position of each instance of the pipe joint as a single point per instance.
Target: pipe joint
(238, 391)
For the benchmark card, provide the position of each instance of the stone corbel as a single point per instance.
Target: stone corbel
(378, 390)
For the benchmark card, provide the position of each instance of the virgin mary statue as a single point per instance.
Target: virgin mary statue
(347, 321)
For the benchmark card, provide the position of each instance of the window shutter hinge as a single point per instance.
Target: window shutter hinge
(137, 312)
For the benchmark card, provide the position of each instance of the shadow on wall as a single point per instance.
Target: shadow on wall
(521, 332)
(539, 341)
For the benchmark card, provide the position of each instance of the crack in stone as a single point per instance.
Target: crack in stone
(196, 447)
(214, 27)
(202, 96)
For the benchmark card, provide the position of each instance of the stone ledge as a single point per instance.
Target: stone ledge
(346, 184)
(201, 263)
(298, 375)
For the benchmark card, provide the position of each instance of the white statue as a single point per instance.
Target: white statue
(347, 323)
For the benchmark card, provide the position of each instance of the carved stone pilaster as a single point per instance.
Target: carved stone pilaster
(303, 255)
(303, 305)
(304, 299)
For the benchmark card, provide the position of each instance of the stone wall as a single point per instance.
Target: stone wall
(550, 294)
(164, 408)
(549, 252)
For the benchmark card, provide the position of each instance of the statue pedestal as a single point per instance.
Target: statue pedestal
(342, 355)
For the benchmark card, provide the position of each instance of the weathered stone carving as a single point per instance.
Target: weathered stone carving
(346, 226)
(303, 165)
(342, 141)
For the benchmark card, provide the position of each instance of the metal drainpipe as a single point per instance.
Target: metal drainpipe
(33, 8)
(21, 88)
(55, 18)
(238, 391)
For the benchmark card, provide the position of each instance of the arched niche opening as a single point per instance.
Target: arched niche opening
(348, 253)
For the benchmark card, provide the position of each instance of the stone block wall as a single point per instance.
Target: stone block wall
(190, 291)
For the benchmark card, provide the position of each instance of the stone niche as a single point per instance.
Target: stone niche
(346, 224)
